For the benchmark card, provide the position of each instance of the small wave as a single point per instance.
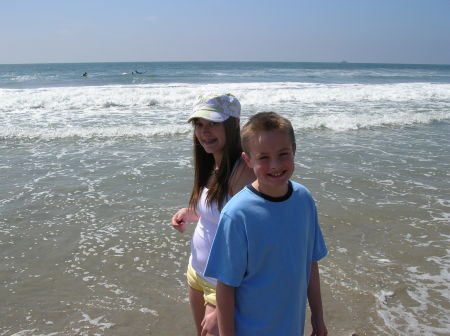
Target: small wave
(95, 98)
(24, 78)
(177, 130)
(37, 106)
(94, 132)
(111, 104)
(342, 122)
(257, 95)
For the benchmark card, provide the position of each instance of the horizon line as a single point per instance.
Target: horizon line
(329, 62)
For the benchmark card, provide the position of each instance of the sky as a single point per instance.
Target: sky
(373, 31)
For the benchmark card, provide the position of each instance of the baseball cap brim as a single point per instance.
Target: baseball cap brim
(209, 115)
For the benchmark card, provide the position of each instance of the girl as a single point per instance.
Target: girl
(219, 174)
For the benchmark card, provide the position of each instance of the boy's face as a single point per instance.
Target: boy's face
(272, 159)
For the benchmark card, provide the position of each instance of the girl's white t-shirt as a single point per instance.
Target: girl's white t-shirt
(204, 234)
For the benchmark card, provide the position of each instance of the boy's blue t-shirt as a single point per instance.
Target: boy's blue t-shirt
(265, 249)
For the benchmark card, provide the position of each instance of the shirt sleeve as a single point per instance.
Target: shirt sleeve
(227, 260)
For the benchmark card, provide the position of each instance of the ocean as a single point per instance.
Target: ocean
(93, 167)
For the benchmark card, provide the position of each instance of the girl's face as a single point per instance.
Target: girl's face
(211, 135)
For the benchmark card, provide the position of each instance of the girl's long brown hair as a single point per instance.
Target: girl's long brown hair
(204, 166)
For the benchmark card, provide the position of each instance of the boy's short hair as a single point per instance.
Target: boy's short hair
(265, 121)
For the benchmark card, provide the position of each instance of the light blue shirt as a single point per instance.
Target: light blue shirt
(265, 247)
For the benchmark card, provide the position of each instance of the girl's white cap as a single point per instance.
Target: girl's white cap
(217, 108)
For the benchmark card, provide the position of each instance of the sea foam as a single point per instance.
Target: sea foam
(152, 110)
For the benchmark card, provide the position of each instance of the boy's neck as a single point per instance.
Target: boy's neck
(272, 192)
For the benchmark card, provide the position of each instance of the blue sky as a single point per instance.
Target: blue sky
(387, 31)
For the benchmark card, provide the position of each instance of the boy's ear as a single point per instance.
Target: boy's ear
(246, 159)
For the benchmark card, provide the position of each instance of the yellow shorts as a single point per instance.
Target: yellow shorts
(197, 282)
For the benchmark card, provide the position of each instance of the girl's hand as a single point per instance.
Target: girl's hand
(209, 323)
(182, 217)
(178, 220)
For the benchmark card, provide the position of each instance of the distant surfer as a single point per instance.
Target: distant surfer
(137, 72)
(85, 74)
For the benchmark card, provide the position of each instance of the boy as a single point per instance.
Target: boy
(268, 242)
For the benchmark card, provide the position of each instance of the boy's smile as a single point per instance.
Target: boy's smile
(272, 159)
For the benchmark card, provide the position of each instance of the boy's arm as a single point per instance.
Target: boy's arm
(225, 308)
(315, 303)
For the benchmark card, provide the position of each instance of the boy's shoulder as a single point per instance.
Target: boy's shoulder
(299, 188)
(301, 192)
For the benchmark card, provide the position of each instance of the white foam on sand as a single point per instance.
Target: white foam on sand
(428, 292)
(96, 322)
(151, 311)
(31, 332)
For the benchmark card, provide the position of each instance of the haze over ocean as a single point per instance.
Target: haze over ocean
(93, 167)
